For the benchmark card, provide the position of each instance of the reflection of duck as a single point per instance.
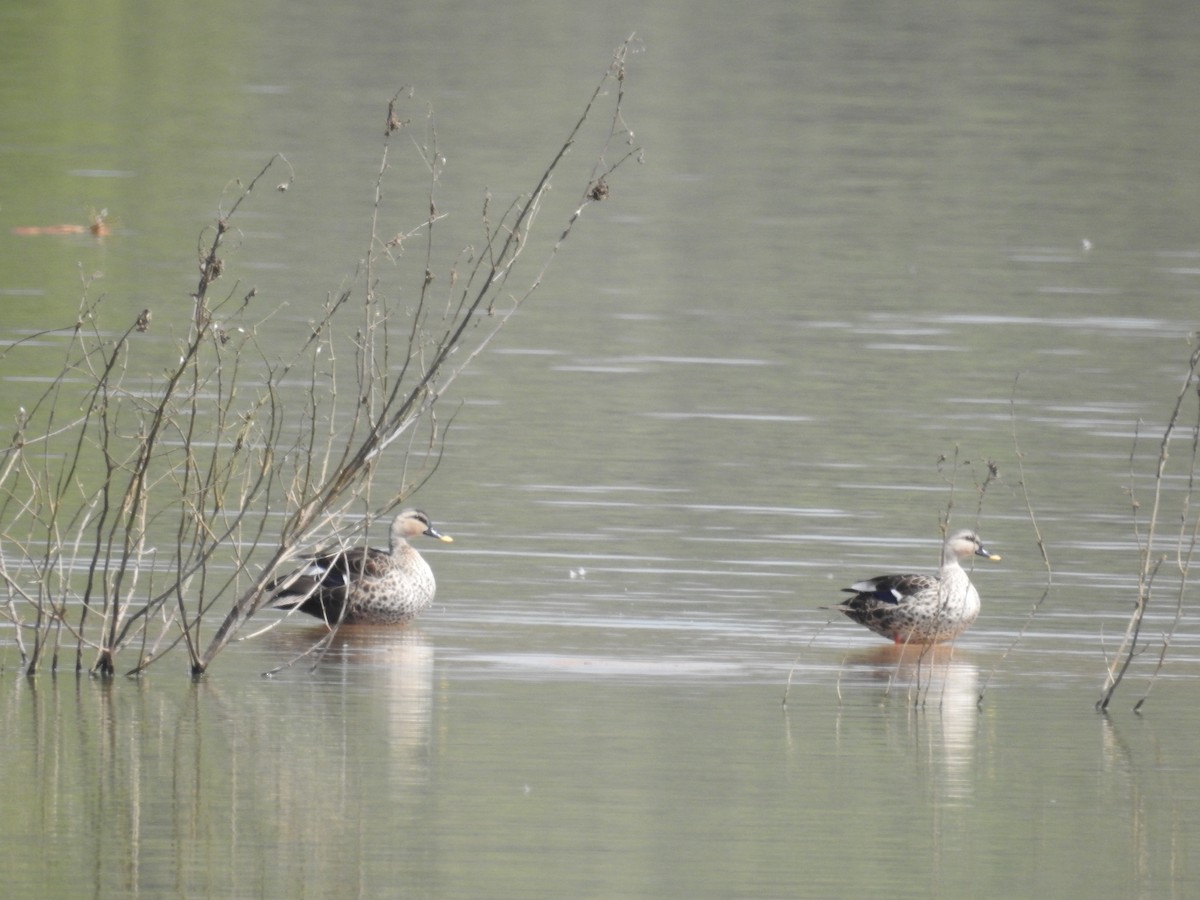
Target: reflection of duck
(364, 585)
(937, 680)
(921, 609)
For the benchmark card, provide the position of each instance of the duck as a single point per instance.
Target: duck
(921, 609)
(363, 585)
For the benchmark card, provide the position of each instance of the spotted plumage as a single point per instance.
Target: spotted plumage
(921, 609)
(363, 585)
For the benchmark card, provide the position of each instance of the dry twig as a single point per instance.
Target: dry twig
(197, 459)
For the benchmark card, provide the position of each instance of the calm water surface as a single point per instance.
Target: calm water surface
(872, 250)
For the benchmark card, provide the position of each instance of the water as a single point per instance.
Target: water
(871, 251)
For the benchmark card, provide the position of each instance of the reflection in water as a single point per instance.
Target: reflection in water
(938, 694)
(395, 664)
(238, 788)
(1136, 786)
(930, 676)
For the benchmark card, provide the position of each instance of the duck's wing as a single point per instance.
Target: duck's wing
(341, 569)
(890, 589)
(323, 604)
(332, 571)
(321, 588)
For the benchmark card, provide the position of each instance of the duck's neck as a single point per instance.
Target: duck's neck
(950, 560)
(398, 542)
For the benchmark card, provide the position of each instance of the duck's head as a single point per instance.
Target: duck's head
(966, 543)
(415, 523)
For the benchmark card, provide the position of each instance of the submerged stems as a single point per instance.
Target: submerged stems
(1151, 561)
